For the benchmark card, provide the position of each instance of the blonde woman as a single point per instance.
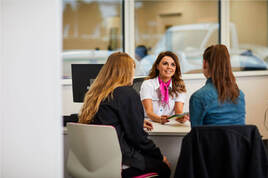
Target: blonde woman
(112, 101)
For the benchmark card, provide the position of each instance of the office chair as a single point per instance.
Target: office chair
(137, 82)
(221, 152)
(94, 152)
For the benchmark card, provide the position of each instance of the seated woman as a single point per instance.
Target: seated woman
(112, 101)
(219, 102)
(163, 91)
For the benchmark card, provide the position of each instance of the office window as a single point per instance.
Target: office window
(92, 30)
(184, 27)
(249, 34)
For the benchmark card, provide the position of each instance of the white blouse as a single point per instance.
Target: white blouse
(150, 90)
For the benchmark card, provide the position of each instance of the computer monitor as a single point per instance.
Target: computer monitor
(84, 74)
(82, 77)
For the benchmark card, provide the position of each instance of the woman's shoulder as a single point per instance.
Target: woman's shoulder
(205, 92)
(202, 90)
(123, 89)
(241, 94)
(125, 92)
(149, 82)
(125, 95)
(181, 93)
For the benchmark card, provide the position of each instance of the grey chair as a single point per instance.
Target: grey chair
(94, 151)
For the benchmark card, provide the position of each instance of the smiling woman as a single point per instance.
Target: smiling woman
(166, 68)
(163, 93)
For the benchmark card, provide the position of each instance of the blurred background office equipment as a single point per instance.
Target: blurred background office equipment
(83, 76)
(137, 84)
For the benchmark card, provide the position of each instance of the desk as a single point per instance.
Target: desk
(167, 137)
(170, 128)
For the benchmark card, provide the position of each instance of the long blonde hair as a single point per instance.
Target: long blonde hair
(117, 71)
(178, 85)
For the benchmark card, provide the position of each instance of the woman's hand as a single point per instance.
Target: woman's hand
(148, 125)
(183, 119)
(164, 119)
(166, 161)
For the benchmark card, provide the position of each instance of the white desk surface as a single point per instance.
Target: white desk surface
(170, 128)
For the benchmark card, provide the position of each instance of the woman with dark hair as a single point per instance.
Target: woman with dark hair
(219, 102)
(112, 101)
(163, 91)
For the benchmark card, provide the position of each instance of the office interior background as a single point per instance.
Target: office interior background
(40, 40)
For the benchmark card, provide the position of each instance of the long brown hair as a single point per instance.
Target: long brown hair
(177, 83)
(117, 71)
(219, 67)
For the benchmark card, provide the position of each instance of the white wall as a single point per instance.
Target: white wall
(254, 87)
(1, 84)
(31, 129)
(256, 91)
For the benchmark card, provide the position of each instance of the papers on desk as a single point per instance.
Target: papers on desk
(173, 122)
(172, 127)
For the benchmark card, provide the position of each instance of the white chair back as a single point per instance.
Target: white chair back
(94, 151)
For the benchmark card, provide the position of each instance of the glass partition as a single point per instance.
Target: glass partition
(92, 30)
(248, 34)
(184, 27)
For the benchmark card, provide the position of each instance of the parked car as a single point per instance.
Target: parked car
(189, 42)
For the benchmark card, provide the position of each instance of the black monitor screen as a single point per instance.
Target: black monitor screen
(82, 76)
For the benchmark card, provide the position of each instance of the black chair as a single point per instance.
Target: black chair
(70, 118)
(137, 82)
(223, 152)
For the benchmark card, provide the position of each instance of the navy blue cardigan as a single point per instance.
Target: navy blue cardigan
(124, 111)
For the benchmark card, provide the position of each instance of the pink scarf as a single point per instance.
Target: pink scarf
(164, 91)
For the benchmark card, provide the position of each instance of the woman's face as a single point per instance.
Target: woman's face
(166, 68)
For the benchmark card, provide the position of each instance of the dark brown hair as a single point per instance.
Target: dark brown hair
(219, 67)
(177, 83)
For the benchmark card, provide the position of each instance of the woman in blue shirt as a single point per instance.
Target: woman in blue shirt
(219, 102)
